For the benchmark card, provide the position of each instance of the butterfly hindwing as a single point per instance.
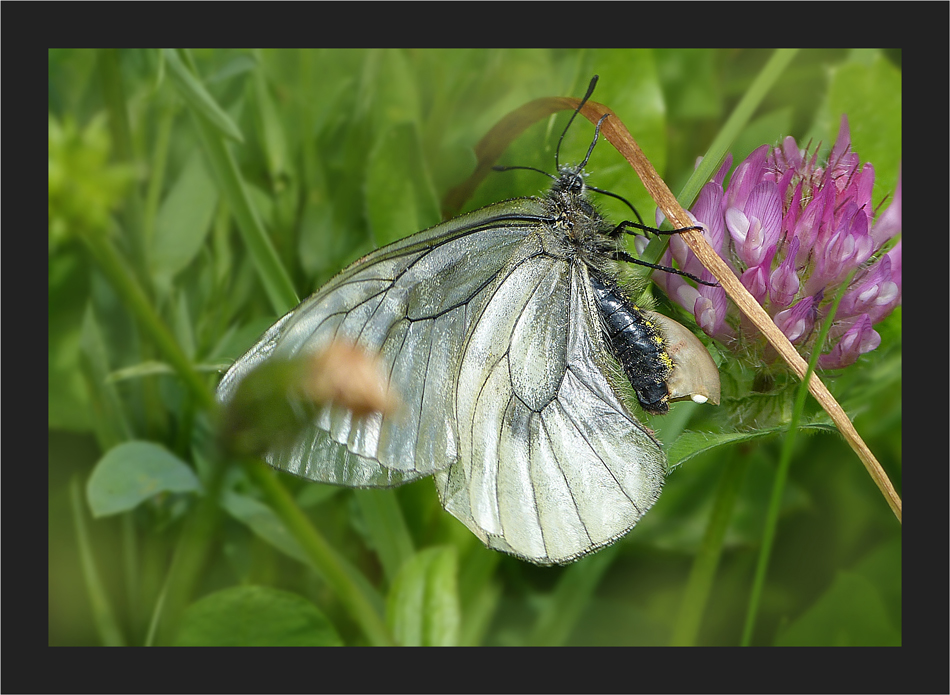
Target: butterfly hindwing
(551, 464)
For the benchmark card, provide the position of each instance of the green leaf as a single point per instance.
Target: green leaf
(270, 128)
(312, 496)
(111, 424)
(481, 605)
(184, 219)
(570, 598)
(262, 521)
(322, 247)
(192, 91)
(184, 325)
(394, 94)
(851, 613)
(869, 94)
(134, 471)
(399, 198)
(637, 97)
(423, 604)
(233, 67)
(156, 368)
(691, 444)
(691, 83)
(255, 616)
(386, 528)
(878, 568)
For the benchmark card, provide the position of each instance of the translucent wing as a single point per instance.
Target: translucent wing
(551, 465)
(412, 303)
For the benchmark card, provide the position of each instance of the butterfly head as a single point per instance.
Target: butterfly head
(570, 181)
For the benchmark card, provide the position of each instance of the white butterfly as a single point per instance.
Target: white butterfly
(491, 333)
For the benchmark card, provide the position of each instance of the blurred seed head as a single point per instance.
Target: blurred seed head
(279, 398)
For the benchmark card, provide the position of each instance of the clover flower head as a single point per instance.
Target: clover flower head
(793, 230)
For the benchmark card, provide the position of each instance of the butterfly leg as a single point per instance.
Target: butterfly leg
(627, 258)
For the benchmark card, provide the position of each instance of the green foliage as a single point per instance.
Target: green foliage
(184, 220)
(197, 97)
(247, 179)
(861, 608)
(255, 616)
(855, 89)
(261, 520)
(423, 605)
(396, 211)
(133, 472)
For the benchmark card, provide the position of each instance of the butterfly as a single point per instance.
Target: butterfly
(513, 350)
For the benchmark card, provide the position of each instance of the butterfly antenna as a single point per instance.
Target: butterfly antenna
(540, 171)
(557, 152)
(592, 142)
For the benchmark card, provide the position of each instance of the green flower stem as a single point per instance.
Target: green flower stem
(156, 179)
(323, 557)
(781, 475)
(190, 555)
(771, 523)
(102, 612)
(134, 297)
(730, 130)
(276, 280)
(184, 75)
(131, 563)
(703, 572)
(157, 612)
(738, 120)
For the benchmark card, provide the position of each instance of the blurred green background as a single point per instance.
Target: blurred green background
(338, 152)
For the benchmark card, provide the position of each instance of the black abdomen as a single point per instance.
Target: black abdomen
(637, 344)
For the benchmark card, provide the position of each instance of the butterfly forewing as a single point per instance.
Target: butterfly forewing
(412, 303)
